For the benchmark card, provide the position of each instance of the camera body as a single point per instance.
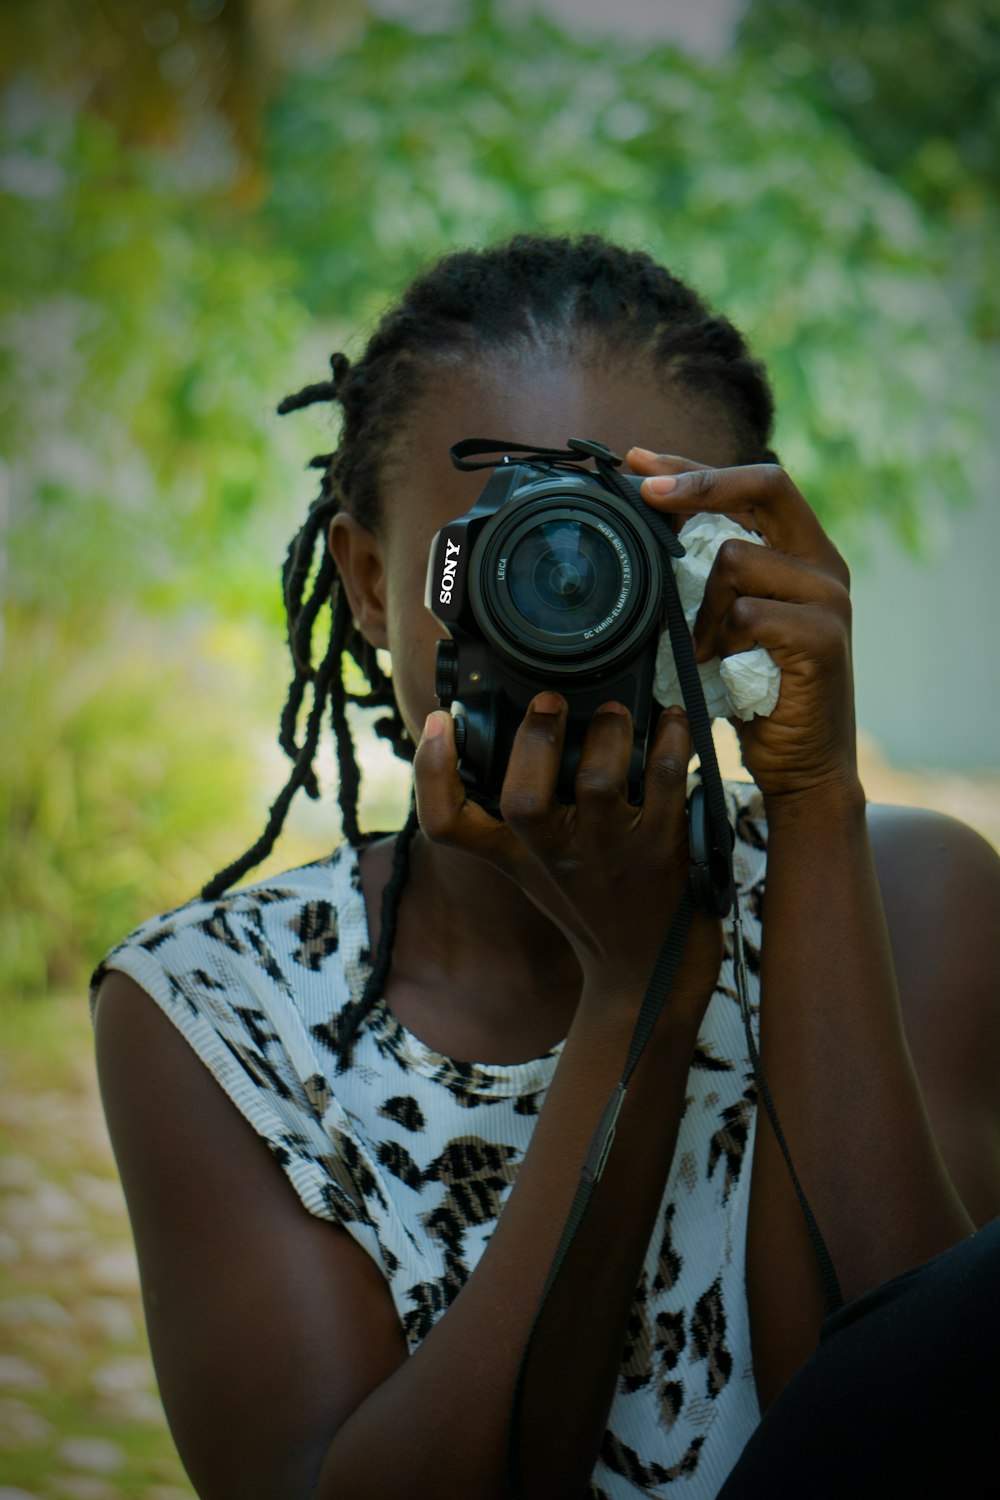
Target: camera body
(552, 580)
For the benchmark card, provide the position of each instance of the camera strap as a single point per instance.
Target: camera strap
(711, 885)
(711, 877)
(570, 457)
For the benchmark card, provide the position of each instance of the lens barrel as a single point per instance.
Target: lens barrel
(565, 580)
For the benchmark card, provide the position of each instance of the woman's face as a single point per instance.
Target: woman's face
(519, 400)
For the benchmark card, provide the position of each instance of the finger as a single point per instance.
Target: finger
(666, 773)
(601, 785)
(445, 813)
(796, 636)
(764, 492)
(643, 461)
(528, 802)
(744, 568)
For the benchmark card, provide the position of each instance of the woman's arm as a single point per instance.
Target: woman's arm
(839, 1068)
(268, 1326)
(833, 1044)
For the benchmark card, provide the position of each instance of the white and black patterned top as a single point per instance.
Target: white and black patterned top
(414, 1154)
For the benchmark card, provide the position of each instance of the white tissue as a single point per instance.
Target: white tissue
(741, 685)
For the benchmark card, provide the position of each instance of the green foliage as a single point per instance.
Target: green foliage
(917, 88)
(406, 145)
(142, 345)
(120, 773)
(150, 318)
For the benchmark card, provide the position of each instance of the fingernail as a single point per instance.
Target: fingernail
(434, 725)
(546, 703)
(645, 453)
(660, 484)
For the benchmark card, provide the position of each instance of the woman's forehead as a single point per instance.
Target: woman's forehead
(543, 402)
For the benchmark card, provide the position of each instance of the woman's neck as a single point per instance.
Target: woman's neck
(478, 972)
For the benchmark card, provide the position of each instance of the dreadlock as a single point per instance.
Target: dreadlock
(534, 292)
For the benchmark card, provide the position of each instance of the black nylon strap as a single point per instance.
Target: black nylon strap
(468, 447)
(690, 684)
(597, 1154)
(660, 981)
(833, 1297)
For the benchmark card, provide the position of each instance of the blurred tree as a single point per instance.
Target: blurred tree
(402, 145)
(917, 86)
(187, 77)
(183, 233)
(172, 76)
(141, 351)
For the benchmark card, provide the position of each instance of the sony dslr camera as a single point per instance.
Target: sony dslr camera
(553, 579)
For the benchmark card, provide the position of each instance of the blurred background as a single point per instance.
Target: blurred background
(201, 200)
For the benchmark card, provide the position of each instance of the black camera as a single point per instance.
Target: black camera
(553, 579)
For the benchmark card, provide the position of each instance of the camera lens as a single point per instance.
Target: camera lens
(564, 576)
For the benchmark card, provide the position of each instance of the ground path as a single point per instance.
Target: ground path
(79, 1415)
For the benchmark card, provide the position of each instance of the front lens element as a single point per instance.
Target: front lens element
(564, 576)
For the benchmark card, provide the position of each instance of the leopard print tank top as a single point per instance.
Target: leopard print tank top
(414, 1154)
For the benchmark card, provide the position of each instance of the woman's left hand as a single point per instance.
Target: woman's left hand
(790, 596)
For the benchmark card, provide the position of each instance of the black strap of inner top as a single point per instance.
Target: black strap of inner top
(597, 1155)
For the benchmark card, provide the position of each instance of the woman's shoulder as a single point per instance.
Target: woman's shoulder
(940, 885)
(901, 832)
(930, 861)
(269, 935)
(258, 983)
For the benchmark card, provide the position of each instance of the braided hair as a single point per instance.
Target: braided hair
(534, 292)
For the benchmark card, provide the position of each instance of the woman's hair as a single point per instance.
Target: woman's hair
(577, 297)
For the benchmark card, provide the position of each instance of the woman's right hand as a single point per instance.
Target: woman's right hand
(609, 874)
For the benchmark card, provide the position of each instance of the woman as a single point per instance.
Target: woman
(336, 1304)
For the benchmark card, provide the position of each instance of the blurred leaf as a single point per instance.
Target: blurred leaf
(142, 351)
(113, 800)
(169, 268)
(916, 87)
(748, 190)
